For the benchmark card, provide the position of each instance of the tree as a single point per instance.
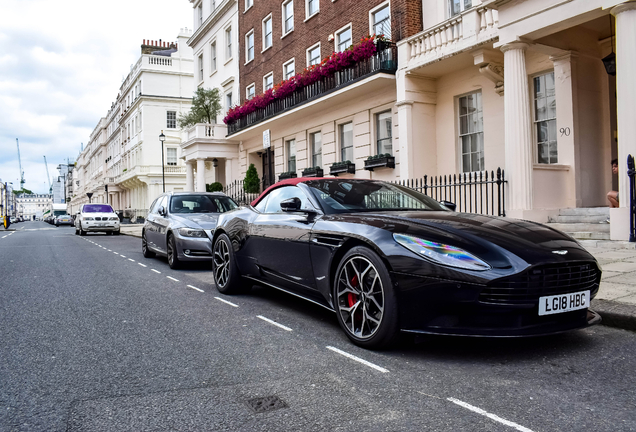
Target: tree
(22, 191)
(251, 183)
(206, 105)
(214, 187)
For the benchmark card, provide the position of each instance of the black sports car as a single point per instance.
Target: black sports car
(387, 258)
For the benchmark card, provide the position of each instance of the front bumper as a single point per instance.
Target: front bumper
(200, 249)
(100, 226)
(434, 306)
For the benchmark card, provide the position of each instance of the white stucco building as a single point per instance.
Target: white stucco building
(122, 162)
(32, 206)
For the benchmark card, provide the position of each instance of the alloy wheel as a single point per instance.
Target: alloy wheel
(171, 251)
(360, 297)
(221, 263)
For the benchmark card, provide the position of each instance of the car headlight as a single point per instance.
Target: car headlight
(114, 218)
(441, 253)
(87, 218)
(192, 232)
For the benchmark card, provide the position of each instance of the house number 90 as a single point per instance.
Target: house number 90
(565, 131)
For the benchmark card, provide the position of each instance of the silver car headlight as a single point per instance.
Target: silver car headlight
(192, 232)
(114, 218)
(441, 253)
(87, 218)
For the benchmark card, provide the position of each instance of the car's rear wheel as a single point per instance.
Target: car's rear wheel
(364, 299)
(144, 247)
(173, 259)
(227, 278)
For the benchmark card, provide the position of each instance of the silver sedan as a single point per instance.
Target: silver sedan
(180, 225)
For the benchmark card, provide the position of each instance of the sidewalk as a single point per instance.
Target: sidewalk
(616, 298)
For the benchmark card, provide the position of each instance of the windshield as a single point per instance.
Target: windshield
(97, 208)
(59, 212)
(201, 204)
(345, 196)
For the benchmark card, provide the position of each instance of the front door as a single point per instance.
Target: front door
(268, 168)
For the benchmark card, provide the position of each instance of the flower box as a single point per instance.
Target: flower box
(379, 161)
(313, 172)
(346, 167)
(287, 175)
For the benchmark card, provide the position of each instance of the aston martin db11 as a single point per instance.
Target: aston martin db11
(388, 259)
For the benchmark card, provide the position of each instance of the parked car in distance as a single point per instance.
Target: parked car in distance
(96, 218)
(180, 225)
(388, 259)
(63, 220)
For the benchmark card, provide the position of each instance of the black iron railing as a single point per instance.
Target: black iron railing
(631, 173)
(384, 60)
(236, 191)
(478, 192)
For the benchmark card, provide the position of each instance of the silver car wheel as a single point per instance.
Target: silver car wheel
(221, 263)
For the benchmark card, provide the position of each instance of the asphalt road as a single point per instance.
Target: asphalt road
(94, 337)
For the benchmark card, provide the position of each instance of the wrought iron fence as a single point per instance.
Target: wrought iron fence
(133, 216)
(631, 173)
(384, 60)
(236, 191)
(478, 192)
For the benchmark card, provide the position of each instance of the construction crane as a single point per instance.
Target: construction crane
(48, 177)
(22, 181)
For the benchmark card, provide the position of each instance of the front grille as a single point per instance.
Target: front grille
(541, 281)
(98, 218)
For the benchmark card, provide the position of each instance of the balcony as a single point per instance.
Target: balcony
(383, 61)
(206, 131)
(470, 29)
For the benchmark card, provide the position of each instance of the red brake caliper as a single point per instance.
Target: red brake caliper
(351, 297)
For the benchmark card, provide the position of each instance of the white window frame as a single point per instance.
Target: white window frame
(336, 40)
(271, 74)
(339, 128)
(213, 57)
(251, 87)
(288, 155)
(535, 122)
(228, 44)
(264, 35)
(289, 62)
(176, 156)
(248, 4)
(459, 134)
(310, 149)
(228, 104)
(308, 59)
(200, 15)
(247, 46)
(307, 14)
(375, 10)
(462, 5)
(284, 18)
(375, 113)
(168, 119)
(200, 66)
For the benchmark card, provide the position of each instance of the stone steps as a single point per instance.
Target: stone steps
(583, 223)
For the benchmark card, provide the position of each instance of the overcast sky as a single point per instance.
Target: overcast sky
(61, 65)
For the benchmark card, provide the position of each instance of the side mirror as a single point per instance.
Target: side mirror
(162, 211)
(451, 205)
(290, 205)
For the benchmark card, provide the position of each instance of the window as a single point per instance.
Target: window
(312, 7)
(212, 6)
(228, 43)
(471, 132)
(343, 39)
(171, 118)
(268, 81)
(545, 118)
(283, 193)
(213, 57)
(288, 16)
(289, 69)
(249, 4)
(458, 6)
(267, 32)
(171, 156)
(249, 46)
(200, 15)
(201, 68)
(228, 100)
(315, 140)
(383, 134)
(291, 155)
(381, 21)
(313, 55)
(250, 91)
(346, 142)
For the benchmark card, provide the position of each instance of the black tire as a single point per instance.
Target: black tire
(76, 231)
(144, 247)
(116, 232)
(81, 231)
(367, 311)
(173, 258)
(226, 274)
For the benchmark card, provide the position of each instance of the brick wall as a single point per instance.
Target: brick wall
(332, 17)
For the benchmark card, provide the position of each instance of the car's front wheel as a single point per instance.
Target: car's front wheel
(173, 259)
(227, 278)
(144, 247)
(81, 231)
(364, 299)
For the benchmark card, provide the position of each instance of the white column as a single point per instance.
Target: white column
(200, 175)
(518, 135)
(405, 125)
(189, 177)
(625, 111)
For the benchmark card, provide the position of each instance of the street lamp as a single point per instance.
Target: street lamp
(162, 138)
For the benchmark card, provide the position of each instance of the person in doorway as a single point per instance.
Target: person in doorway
(612, 196)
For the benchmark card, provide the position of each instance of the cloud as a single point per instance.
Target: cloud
(61, 68)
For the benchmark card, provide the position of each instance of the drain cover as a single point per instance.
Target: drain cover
(267, 403)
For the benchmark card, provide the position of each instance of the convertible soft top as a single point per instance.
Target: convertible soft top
(286, 182)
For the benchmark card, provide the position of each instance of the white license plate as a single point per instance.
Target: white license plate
(564, 302)
(100, 224)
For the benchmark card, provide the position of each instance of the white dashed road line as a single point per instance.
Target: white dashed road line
(273, 323)
(123, 256)
(130, 259)
(489, 415)
(358, 359)
(170, 277)
(195, 288)
(6, 236)
(156, 271)
(226, 302)
(115, 253)
(143, 265)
